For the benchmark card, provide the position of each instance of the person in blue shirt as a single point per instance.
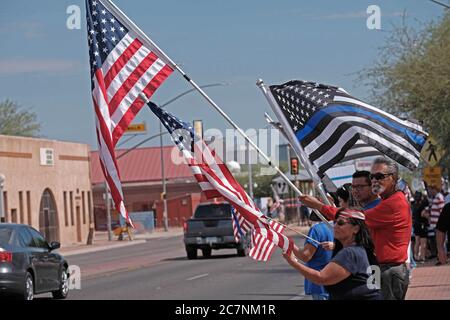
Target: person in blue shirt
(362, 190)
(315, 255)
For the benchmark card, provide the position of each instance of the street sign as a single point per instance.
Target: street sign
(432, 152)
(281, 187)
(432, 176)
(137, 128)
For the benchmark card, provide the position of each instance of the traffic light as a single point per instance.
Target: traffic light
(294, 166)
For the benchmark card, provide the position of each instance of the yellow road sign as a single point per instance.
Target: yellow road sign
(432, 176)
(136, 128)
(432, 152)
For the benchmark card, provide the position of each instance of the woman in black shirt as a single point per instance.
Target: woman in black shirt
(346, 276)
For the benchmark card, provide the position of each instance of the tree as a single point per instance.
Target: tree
(17, 122)
(411, 77)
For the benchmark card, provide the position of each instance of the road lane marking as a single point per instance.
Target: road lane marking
(198, 277)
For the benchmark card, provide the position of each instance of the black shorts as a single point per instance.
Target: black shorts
(421, 230)
(443, 223)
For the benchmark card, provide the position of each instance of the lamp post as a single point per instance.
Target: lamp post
(2, 207)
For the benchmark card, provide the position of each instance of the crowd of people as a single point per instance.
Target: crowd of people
(376, 226)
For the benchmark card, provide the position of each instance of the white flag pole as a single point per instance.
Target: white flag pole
(293, 141)
(132, 26)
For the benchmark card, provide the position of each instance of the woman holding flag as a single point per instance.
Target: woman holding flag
(346, 276)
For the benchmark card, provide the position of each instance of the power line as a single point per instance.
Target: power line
(440, 3)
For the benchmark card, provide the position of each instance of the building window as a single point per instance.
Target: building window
(83, 204)
(72, 219)
(66, 213)
(14, 215)
(30, 220)
(89, 207)
(5, 203)
(21, 213)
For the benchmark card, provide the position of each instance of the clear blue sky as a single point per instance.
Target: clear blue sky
(44, 66)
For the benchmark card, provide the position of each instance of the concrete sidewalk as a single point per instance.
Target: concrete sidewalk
(430, 283)
(101, 241)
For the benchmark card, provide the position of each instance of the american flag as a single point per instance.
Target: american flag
(121, 68)
(216, 180)
(240, 225)
(328, 122)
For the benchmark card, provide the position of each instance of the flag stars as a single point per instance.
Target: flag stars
(103, 21)
(103, 12)
(113, 29)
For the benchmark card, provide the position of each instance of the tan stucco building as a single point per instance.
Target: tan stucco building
(48, 186)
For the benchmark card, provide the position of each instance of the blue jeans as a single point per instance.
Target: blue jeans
(316, 296)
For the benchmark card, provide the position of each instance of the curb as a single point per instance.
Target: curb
(100, 248)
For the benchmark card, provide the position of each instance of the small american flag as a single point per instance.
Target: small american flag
(216, 180)
(240, 226)
(122, 67)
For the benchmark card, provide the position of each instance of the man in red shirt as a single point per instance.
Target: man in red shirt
(390, 225)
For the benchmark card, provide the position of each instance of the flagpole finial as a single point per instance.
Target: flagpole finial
(259, 82)
(144, 97)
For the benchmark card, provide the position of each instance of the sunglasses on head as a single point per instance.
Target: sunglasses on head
(379, 175)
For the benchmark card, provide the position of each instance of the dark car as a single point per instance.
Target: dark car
(211, 228)
(28, 265)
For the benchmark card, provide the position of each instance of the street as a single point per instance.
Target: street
(159, 269)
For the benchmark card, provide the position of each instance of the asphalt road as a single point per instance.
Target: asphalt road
(159, 269)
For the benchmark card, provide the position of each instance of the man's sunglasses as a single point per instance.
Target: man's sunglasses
(379, 175)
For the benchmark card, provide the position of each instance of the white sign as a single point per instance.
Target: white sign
(47, 158)
(341, 175)
(281, 187)
(363, 165)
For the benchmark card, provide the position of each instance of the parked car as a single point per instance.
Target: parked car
(28, 264)
(211, 228)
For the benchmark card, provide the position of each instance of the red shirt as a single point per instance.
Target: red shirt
(390, 225)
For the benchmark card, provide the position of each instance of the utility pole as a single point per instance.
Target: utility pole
(108, 212)
(163, 176)
(2, 206)
(250, 178)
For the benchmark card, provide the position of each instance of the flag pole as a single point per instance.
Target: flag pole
(298, 232)
(131, 25)
(292, 139)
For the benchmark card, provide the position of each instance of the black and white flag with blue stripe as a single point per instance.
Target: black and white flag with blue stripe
(328, 122)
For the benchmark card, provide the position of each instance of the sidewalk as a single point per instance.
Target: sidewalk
(101, 242)
(430, 283)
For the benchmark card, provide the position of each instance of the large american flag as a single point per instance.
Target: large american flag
(216, 180)
(328, 122)
(122, 67)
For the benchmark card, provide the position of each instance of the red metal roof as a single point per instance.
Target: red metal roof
(142, 165)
